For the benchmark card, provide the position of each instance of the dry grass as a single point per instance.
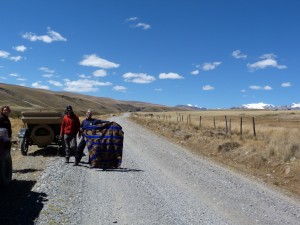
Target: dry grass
(273, 155)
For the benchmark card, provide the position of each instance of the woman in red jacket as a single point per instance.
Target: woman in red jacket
(68, 132)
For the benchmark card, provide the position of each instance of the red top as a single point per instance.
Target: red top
(70, 125)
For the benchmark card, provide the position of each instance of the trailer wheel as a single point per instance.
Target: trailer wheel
(23, 147)
(42, 135)
(5, 169)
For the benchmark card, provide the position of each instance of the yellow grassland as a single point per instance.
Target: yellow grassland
(263, 144)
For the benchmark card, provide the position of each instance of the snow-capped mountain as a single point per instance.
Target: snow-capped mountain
(257, 106)
(262, 105)
(295, 106)
(192, 107)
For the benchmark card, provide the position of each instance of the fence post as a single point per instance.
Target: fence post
(200, 121)
(230, 126)
(214, 123)
(241, 126)
(253, 122)
(226, 126)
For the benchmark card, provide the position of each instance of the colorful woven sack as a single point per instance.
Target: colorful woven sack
(105, 144)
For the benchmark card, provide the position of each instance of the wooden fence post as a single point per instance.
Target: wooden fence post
(241, 126)
(200, 121)
(253, 122)
(230, 126)
(214, 123)
(226, 126)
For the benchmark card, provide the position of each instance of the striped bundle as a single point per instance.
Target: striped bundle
(105, 144)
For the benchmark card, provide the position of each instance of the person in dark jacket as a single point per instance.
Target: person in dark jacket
(89, 121)
(68, 132)
(4, 119)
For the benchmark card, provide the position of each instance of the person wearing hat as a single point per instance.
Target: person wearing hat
(68, 131)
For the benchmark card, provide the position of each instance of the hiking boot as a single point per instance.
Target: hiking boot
(67, 159)
(76, 163)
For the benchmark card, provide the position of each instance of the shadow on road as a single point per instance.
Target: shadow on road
(23, 171)
(86, 165)
(48, 151)
(123, 170)
(20, 205)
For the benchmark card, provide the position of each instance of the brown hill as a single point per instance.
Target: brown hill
(21, 98)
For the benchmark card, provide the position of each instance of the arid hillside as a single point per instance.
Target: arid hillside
(21, 98)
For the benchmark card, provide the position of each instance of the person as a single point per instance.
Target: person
(5, 121)
(89, 121)
(68, 132)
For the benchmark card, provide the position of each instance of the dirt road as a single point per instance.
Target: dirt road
(159, 183)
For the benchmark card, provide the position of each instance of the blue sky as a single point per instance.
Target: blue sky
(208, 53)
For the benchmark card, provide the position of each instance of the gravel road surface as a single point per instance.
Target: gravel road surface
(158, 183)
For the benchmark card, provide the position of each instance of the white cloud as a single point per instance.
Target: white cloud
(140, 78)
(95, 61)
(243, 90)
(266, 88)
(84, 85)
(158, 89)
(99, 73)
(20, 48)
(21, 79)
(3, 78)
(286, 84)
(14, 75)
(238, 55)
(47, 70)
(84, 76)
(38, 85)
(255, 87)
(49, 38)
(195, 72)
(144, 26)
(207, 88)
(210, 66)
(119, 88)
(4, 54)
(170, 76)
(15, 58)
(132, 19)
(47, 75)
(268, 60)
(55, 83)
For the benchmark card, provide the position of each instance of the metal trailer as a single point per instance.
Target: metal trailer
(41, 129)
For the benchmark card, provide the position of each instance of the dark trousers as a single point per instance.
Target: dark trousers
(80, 148)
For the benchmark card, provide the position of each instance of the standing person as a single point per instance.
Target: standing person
(69, 128)
(89, 121)
(4, 119)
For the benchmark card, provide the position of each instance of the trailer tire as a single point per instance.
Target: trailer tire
(23, 147)
(42, 135)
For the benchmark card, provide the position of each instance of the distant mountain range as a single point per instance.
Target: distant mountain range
(270, 106)
(248, 106)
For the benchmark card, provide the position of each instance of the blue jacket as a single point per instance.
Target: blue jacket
(91, 122)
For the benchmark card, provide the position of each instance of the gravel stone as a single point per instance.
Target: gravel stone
(158, 183)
